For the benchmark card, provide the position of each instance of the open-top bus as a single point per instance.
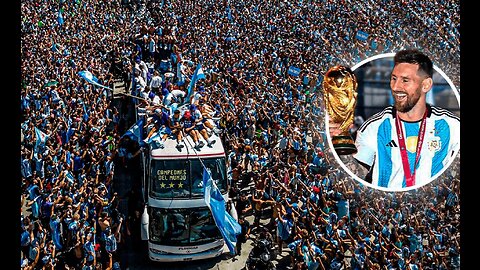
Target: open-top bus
(176, 221)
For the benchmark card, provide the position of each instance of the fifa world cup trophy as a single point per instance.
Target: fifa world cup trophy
(340, 96)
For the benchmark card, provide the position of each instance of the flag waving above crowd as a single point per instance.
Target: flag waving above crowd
(227, 225)
(197, 75)
(255, 71)
(89, 77)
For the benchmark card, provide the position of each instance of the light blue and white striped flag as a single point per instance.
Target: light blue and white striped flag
(227, 225)
(136, 132)
(361, 35)
(154, 141)
(88, 76)
(197, 75)
(40, 139)
(294, 71)
(69, 176)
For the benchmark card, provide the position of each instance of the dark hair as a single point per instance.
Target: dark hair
(414, 56)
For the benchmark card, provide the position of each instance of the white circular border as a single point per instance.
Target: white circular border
(330, 144)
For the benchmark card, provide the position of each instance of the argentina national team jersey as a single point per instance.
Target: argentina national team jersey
(378, 146)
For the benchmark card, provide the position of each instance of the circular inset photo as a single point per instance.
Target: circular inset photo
(393, 120)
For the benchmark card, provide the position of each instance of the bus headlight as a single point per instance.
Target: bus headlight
(156, 251)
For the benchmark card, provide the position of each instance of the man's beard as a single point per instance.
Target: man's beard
(409, 104)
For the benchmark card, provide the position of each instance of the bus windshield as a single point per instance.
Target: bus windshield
(177, 227)
(183, 178)
(217, 172)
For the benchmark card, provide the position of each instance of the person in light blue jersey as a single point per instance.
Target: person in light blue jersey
(411, 142)
(26, 165)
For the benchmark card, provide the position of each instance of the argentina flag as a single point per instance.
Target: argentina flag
(69, 176)
(361, 35)
(88, 76)
(155, 141)
(40, 139)
(227, 225)
(136, 132)
(197, 75)
(294, 71)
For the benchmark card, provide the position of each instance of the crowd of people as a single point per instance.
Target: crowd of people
(271, 121)
(69, 129)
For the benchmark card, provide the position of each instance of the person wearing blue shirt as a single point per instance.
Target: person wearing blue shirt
(358, 258)
(78, 162)
(109, 167)
(161, 124)
(337, 263)
(110, 241)
(39, 164)
(188, 123)
(34, 196)
(284, 228)
(25, 241)
(46, 209)
(451, 199)
(55, 231)
(89, 249)
(26, 167)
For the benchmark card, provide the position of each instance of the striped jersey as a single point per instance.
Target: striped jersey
(452, 199)
(378, 146)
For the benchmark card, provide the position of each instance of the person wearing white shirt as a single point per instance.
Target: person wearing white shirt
(156, 81)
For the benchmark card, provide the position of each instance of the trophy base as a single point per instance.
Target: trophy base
(344, 145)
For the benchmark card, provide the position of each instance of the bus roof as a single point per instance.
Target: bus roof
(188, 152)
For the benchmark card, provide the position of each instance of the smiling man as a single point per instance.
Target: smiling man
(408, 144)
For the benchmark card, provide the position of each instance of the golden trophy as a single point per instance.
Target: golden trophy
(340, 95)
